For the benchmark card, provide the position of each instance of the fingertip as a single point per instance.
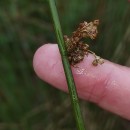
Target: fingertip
(48, 65)
(41, 57)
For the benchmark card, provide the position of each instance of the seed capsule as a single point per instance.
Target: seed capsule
(76, 48)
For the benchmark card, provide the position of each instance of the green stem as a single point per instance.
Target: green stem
(66, 65)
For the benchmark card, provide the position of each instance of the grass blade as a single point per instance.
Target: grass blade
(66, 65)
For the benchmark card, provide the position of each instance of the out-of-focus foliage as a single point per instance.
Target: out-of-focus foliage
(26, 103)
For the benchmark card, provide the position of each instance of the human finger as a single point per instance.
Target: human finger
(107, 85)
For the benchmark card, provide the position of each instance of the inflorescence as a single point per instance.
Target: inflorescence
(76, 48)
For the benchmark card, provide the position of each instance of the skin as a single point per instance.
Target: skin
(107, 85)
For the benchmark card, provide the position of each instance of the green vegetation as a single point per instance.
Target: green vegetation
(26, 102)
(67, 68)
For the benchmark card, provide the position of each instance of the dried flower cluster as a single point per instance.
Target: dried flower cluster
(76, 48)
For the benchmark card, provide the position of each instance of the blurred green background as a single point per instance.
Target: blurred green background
(26, 102)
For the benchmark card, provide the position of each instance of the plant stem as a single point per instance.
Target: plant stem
(66, 65)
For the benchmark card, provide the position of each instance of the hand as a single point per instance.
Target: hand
(107, 85)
